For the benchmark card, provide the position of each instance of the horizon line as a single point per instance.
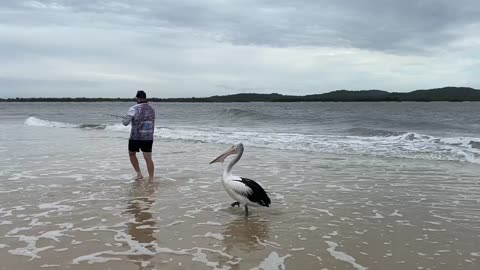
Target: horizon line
(243, 93)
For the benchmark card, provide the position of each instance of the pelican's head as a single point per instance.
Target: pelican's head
(234, 150)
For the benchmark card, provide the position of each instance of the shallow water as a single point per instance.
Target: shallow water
(70, 201)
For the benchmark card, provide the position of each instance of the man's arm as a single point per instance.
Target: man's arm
(129, 117)
(127, 120)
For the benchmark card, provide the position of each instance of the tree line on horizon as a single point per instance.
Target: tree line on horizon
(437, 94)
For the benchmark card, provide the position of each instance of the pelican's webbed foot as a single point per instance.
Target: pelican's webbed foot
(235, 204)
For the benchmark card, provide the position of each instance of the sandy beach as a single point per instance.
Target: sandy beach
(76, 206)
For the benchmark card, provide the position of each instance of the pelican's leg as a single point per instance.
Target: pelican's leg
(246, 210)
(235, 204)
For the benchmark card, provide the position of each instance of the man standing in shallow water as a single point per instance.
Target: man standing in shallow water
(142, 118)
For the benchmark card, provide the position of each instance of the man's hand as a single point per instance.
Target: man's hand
(127, 120)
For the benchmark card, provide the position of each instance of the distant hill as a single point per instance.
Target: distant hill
(346, 95)
(440, 94)
(437, 94)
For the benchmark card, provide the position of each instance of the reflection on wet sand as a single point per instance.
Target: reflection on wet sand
(143, 226)
(246, 234)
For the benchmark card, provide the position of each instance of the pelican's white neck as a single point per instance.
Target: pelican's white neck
(228, 170)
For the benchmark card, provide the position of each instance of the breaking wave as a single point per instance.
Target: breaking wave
(388, 144)
(36, 122)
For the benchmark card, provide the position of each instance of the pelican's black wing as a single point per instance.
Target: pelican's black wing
(258, 194)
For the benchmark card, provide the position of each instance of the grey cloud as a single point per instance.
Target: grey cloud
(195, 46)
(385, 25)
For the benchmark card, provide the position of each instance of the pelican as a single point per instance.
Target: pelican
(243, 190)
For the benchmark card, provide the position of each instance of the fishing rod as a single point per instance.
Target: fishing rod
(116, 116)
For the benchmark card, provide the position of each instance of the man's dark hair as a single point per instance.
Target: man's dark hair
(141, 94)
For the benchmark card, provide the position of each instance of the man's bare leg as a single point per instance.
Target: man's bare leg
(150, 165)
(136, 166)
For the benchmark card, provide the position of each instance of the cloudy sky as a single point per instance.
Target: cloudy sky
(175, 48)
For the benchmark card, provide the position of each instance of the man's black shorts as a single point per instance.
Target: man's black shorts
(136, 146)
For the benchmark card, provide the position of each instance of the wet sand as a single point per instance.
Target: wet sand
(75, 205)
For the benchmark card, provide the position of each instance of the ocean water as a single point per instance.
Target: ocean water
(432, 131)
(353, 186)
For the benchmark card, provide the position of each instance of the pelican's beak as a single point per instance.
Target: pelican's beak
(223, 156)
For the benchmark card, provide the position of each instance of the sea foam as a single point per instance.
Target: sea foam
(409, 145)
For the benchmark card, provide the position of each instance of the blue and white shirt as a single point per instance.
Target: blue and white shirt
(142, 117)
